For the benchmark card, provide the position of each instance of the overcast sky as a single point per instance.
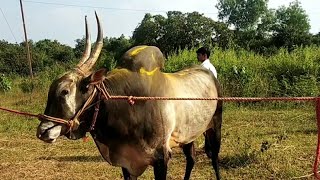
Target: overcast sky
(63, 20)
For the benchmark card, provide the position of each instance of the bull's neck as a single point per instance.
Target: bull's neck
(127, 83)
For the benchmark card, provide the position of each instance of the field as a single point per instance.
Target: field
(259, 142)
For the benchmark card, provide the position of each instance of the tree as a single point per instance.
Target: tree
(292, 26)
(79, 47)
(223, 37)
(112, 51)
(242, 14)
(13, 59)
(177, 31)
(47, 53)
(252, 21)
(150, 30)
(316, 39)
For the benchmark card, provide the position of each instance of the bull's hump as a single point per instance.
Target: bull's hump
(147, 57)
(136, 51)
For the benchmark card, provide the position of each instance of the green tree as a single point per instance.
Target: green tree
(47, 53)
(223, 37)
(13, 58)
(150, 30)
(112, 51)
(242, 14)
(316, 39)
(292, 26)
(55, 51)
(177, 31)
(252, 21)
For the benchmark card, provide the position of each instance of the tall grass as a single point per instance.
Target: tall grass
(245, 74)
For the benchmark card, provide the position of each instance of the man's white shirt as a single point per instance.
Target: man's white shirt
(207, 64)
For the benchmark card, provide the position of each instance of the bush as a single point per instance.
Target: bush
(5, 83)
(27, 85)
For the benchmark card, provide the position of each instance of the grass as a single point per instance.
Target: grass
(257, 143)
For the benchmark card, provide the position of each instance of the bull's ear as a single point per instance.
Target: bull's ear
(98, 76)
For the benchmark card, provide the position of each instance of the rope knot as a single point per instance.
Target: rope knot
(130, 100)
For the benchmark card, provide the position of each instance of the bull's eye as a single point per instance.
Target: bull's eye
(64, 92)
(84, 86)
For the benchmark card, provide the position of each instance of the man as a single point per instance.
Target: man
(203, 55)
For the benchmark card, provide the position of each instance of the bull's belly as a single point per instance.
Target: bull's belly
(192, 121)
(185, 134)
(126, 156)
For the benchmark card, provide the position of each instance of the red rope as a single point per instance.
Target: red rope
(20, 112)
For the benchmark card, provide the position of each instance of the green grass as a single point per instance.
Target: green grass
(258, 142)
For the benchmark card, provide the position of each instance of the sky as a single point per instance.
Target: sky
(63, 20)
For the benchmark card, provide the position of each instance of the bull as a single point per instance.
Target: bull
(135, 136)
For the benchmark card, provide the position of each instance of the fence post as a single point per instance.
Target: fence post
(316, 162)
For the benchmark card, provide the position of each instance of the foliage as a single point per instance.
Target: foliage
(264, 30)
(27, 86)
(180, 61)
(242, 14)
(177, 31)
(5, 83)
(292, 26)
(247, 74)
(13, 58)
(112, 50)
(45, 53)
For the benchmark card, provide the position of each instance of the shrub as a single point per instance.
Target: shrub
(27, 85)
(5, 83)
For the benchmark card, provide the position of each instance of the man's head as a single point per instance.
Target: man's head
(202, 54)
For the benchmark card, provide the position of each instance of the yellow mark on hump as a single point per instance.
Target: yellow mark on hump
(152, 56)
(149, 73)
(137, 51)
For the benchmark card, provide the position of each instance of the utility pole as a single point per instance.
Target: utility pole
(26, 40)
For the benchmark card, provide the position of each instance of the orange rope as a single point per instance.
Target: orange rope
(19, 112)
(217, 98)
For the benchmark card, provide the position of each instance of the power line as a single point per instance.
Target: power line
(8, 24)
(101, 7)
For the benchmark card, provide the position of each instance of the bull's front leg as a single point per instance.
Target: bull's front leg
(127, 176)
(161, 164)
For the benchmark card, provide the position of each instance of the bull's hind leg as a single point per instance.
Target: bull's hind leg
(189, 152)
(213, 139)
(207, 146)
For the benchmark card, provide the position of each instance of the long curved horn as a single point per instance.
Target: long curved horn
(97, 49)
(87, 50)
